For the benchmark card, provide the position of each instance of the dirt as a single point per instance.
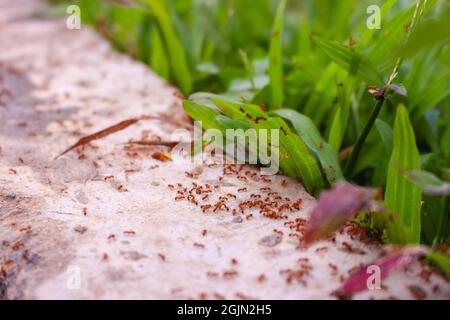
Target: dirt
(108, 220)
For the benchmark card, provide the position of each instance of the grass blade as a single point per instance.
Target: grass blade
(435, 227)
(345, 91)
(202, 113)
(275, 58)
(385, 132)
(344, 56)
(442, 260)
(321, 99)
(402, 196)
(434, 93)
(295, 159)
(177, 56)
(429, 183)
(307, 130)
(428, 34)
(158, 55)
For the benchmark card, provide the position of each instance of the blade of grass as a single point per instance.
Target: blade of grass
(275, 58)
(427, 98)
(428, 182)
(345, 92)
(295, 159)
(385, 132)
(248, 67)
(321, 98)
(434, 220)
(307, 130)
(177, 56)
(402, 196)
(344, 56)
(442, 260)
(340, 120)
(158, 55)
(204, 114)
(428, 34)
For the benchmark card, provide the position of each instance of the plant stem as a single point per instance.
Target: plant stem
(362, 138)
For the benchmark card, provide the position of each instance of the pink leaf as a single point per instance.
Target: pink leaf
(336, 206)
(395, 259)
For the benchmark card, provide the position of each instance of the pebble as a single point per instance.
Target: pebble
(237, 219)
(80, 229)
(10, 196)
(271, 241)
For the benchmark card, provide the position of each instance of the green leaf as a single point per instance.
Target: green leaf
(428, 34)
(204, 114)
(436, 91)
(158, 55)
(392, 33)
(442, 260)
(385, 132)
(124, 21)
(295, 159)
(306, 129)
(207, 68)
(369, 157)
(304, 45)
(248, 67)
(91, 11)
(275, 58)
(321, 98)
(177, 56)
(429, 183)
(445, 142)
(402, 196)
(344, 56)
(340, 120)
(232, 124)
(435, 226)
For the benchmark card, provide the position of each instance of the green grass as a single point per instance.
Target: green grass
(402, 196)
(310, 64)
(275, 59)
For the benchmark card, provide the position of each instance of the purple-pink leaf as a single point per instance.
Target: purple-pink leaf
(429, 183)
(395, 258)
(336, 206)
(398, 89)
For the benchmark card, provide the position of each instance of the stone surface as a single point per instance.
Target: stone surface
(107, 213)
